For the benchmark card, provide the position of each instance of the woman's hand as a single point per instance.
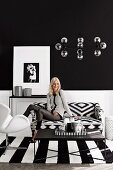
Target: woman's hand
(71, 119)
(75, 117)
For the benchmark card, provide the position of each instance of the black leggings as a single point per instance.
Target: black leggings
(41, 114)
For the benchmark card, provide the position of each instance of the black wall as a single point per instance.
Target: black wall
(45, 22)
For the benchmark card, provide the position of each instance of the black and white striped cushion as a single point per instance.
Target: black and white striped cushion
(83, 109)
(80, 108)
(41, 104)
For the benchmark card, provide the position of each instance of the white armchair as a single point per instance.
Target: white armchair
(9, 124)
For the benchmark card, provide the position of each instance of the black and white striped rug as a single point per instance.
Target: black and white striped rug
(48, 151)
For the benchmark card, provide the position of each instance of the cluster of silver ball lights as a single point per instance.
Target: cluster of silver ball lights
(59, 46)
(99, 46)
(80, 48)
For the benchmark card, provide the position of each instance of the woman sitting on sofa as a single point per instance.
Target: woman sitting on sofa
(56, 105)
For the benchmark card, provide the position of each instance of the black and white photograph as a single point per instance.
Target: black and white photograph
(31, 68)
(31, 73)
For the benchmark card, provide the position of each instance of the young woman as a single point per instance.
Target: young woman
(56, 105)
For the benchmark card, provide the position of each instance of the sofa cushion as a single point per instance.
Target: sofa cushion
(83, 109)
(79, 108)
(41, 104)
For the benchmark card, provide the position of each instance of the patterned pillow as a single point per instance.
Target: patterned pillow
(80, 108)
(83, 109)
(41, 104)
(98, 112)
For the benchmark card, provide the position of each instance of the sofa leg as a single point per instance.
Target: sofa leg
(7, 140)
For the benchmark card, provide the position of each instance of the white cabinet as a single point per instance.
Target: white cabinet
(18, 105)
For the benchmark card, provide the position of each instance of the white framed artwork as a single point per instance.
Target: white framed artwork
(31, 68)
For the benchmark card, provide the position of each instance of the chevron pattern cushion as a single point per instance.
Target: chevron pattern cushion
(80, 108)
(83, 109)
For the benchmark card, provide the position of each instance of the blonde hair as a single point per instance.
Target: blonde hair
(51, 83)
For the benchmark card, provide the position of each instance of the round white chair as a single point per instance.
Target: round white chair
(9, 124)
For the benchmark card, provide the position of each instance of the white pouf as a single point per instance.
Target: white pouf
(109, 127)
